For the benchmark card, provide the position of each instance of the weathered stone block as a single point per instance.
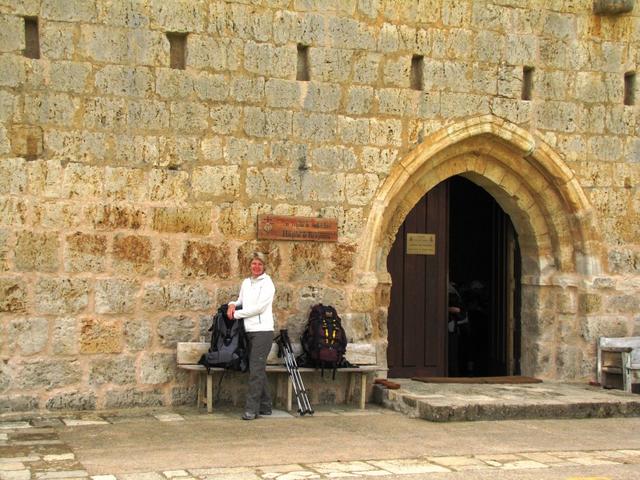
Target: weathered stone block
(354, 130)
(69, 11)
(80, 145)
(385, 132)
(330, 64)
(314, 127)
(72, 401)
(18, 403)
(196, 220)
(189, 116)
(11, 34)
(396, 72)
(69, 76)
(361, 188)
(209, 87)
(123, 14)
(342, 258)
(28, 335)
(113, 217)
(6, 245)
(589, 303)
(248, 89)
(378, 161)
(208, 53)
(225, 118)
(57, 40)
(147, 114)
(306, 264)
(49, 374)
(604, 326)
(274, 183)
(157, 368)
(174, 329)
(204, 259)
(61, 295)
(64, 336)
(133, 398)
(139, 150)
(183, 395)
(181, 151)
(85, 252)
(13, 176)
(176, 297)
(237, 220)
(100, 336)
(132, 254)
(366, 67)
(323, 186)
(178, 16)
(26, 141)
(269, 60)
(321, 97)
(121, 371)
(267, 123)
(13, 71)
(37, 252)
(357, 326)
(137, 335)
(123, 81)
(333, 158)
(219, 181)
(623, 304)
(5, 145)
(56, 108)
(13, 295)
(82, 181)
(115, 295)
(168, 185)
(313, 294)
(282, 93)
(13, 212)
(359, 100)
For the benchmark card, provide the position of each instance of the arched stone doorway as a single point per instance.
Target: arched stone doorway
(559, 243)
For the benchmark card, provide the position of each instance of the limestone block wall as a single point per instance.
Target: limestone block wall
(129, 190)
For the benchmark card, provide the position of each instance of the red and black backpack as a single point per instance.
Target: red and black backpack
(324, 341)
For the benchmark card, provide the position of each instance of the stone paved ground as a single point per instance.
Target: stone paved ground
(35, 449)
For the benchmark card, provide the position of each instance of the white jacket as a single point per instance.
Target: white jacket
(255, 303)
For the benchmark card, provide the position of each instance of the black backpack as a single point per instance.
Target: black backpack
(324, 341)
(228, 344)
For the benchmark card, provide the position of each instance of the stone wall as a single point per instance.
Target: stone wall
(129, 190)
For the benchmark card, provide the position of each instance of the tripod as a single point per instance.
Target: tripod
(300, 392)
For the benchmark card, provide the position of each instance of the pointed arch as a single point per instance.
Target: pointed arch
(533, 185)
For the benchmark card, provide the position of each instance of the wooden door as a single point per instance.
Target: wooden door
(418, 310)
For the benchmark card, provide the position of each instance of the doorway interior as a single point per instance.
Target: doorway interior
(476, 252)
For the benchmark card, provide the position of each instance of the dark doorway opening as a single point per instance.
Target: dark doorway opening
(484, 272)
(470, 247)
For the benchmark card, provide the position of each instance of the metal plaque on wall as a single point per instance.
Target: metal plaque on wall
(421, 244)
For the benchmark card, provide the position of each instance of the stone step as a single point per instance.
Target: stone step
(447, 403)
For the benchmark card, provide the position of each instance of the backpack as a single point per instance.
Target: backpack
(324, 341)
(228, 344)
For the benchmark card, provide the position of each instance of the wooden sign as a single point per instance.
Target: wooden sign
(284, 227)
(421, 244)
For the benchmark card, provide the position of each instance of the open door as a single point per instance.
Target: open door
(418, 309)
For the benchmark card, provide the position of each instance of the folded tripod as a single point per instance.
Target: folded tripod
(286, 351)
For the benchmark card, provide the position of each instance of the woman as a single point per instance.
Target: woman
(254, 305)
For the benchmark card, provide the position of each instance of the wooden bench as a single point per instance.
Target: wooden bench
(362, 355)
(618, 356)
